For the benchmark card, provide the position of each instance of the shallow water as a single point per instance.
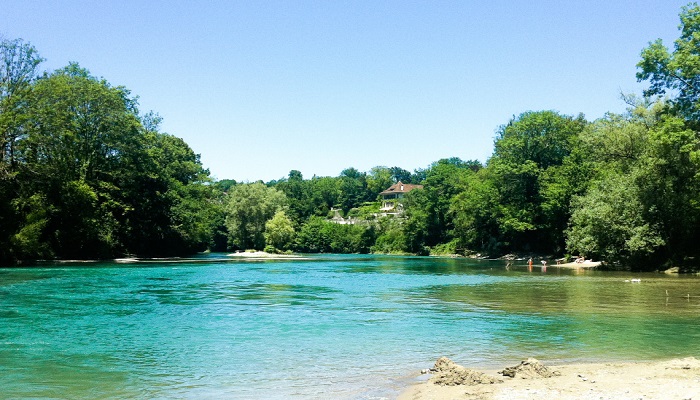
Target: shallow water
(325, 327)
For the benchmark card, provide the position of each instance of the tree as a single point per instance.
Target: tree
(558, 185)
(648, 163)
(528, 152)
(84, 175)
(542, 137)
(19, 62)
(296, 190)
(475, 215)
(314, 236)
(391, 237)
(325, 194)
(400, 174)
(668, 182)
(353, 189)
(248, 209)
(225, 184)
(109, 183)
(608, 223)
(170, 207)
(378, 180)
(318, 235)
(279, 231)
(618, 140)
(677, 72)
(427, 210)
(666, 172)
(81, 134)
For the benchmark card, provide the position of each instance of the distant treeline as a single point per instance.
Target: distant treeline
(84, 174)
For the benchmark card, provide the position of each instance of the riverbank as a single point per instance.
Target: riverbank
(584, 264)
(671, 379)
(263, 255)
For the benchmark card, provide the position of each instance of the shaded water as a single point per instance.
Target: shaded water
(325, 327)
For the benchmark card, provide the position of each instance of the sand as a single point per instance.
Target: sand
(263, 255)
(585, 264)
(662, 380)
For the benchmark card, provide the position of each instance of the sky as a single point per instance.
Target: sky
(260, 88)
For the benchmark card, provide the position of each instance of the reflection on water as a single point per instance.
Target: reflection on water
(326, 327)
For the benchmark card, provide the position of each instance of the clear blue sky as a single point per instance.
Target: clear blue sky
(259, 88)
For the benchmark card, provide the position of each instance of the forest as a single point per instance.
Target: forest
(85, 174)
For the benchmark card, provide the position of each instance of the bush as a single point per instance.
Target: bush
(321, 236)
(444, 249)
(391, 238)
(271, 249)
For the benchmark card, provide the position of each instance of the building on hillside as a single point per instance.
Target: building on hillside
(338, 219)
(392, 202)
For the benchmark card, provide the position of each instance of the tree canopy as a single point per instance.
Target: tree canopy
(84, 174)
(84, 177)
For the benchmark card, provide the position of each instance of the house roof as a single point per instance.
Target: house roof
(400, 187)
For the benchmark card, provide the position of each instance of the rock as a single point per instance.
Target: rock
(689, 363)
(443, 364)
(447, 373)
(529, 369)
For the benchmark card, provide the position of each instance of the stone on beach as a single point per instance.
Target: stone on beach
(529, 369)
(448, 373)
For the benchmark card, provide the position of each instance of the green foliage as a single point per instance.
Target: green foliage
(427, 210)
(279, 231)
(676, 72)
(607, 223)
(298, 196)
(318, 235)
(531, 173)
(400, 174)
(669, 186)
(543, 138)
(366, 211)
(29, 243)
(271, 249)
(391, 238)
(325, 193)
(558, 185)
(475, 214)
(446, 249)
(79, 130)
(19, 62)
(83, 175)
(378, 180)
(248, 209)
(225, 185)
(352, 189)
(643, 212)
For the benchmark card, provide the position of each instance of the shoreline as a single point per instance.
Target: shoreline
(677, 378)
(263, 255)
(585, 264)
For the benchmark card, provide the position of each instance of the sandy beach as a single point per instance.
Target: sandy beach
(667, 380)
(584, 264)
(263, 255)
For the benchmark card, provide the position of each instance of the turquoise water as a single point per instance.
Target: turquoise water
(347, 327)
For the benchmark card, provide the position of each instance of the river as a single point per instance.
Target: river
(326, 326)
